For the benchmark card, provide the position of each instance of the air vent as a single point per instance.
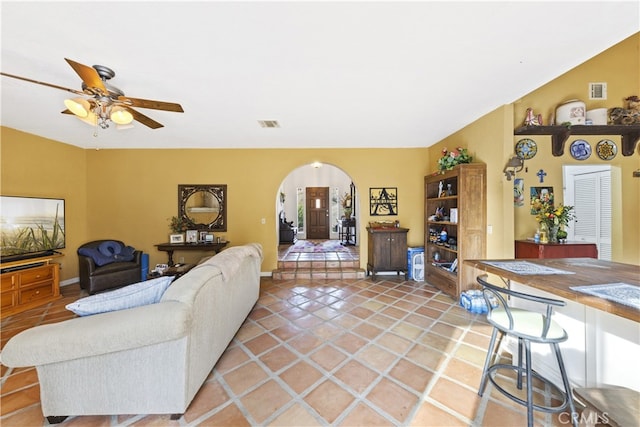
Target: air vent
(597, 91)
(269, 123)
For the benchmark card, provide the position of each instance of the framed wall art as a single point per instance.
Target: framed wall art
(383, 201)
(540, 195)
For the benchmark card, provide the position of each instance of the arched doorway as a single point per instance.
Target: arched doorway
(292, 203)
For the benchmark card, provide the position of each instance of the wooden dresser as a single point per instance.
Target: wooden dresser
(530, 249)
(27, 284)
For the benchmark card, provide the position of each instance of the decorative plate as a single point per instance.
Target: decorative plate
(606, 149)
(526, 149)
(580, 149)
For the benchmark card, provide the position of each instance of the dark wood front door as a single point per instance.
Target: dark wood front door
(317, 212)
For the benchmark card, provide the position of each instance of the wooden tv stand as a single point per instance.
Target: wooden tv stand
(28, 283)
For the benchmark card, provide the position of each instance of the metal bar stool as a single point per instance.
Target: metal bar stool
(527, 326)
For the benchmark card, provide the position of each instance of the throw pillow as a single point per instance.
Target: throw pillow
(110, 248)
(126, 254)
(143, 293)
(96, 256)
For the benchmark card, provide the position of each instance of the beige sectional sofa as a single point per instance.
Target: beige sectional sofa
(150, 359)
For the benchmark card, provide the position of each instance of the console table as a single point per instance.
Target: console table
(530, 249)
(347, 231)
(169, 248)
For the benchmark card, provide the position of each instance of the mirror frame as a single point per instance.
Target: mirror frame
(218, 191)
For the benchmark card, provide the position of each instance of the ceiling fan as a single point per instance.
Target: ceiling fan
(105, 102)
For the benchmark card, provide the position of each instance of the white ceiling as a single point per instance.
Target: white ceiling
(333, 74)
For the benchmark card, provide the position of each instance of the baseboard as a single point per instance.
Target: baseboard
(71, 281)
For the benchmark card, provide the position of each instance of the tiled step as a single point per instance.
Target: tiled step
(318, 264)
(318, 273)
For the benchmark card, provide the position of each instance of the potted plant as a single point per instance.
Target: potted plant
(347, 208)
(452, 158)
(178, 227)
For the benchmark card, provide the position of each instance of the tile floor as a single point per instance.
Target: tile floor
(313, 353)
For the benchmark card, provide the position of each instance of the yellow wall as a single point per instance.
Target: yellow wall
(490, 139)
(131, 194)
(483, 139)
(39, 167)
(619, 67)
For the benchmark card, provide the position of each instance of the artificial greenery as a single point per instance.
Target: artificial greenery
(452, 158)
(180, 225)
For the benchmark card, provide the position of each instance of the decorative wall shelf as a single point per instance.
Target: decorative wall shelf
(559, 134)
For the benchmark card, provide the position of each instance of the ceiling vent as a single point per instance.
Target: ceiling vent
(597, 91)
(269, 123)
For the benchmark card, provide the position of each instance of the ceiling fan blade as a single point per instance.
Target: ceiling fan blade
(147, 121)
(89, 76)
(43, 83)
(149, 103)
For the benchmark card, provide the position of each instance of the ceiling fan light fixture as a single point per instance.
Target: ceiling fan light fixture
(78, 106)
(91, 119)
(120, 116)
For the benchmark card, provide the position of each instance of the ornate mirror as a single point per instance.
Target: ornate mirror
(203, 206)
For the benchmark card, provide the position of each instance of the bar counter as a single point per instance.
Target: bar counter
(603, 347)
(588, 271)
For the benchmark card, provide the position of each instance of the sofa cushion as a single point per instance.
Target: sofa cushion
(143, 293)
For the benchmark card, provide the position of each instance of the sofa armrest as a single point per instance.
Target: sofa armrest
(86, 265)
(98, 334)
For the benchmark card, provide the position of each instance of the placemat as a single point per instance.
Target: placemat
(526, 268)
(622, 293)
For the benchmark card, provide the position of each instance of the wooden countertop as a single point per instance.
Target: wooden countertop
(588, 271)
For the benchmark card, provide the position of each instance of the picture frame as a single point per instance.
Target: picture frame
(176, 238)
(203, 236)
(192, 236)
(540, 193)
(383, 201)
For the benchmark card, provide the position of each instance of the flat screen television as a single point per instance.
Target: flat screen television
(30, 227)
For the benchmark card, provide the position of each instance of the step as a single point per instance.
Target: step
(325, 273)
(318, 264)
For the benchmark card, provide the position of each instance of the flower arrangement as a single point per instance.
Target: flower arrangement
(345, 202)
(180, 225)
(550, 215)
(454, 157)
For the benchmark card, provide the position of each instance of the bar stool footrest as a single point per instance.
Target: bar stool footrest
(520, 371)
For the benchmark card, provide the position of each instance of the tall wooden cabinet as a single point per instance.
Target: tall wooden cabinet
(456, 204)
(28, 284)
(387, 247)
